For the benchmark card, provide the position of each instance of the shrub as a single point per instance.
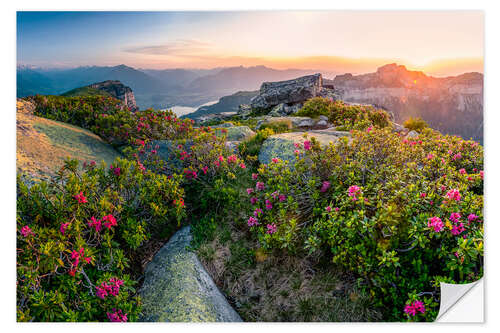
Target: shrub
(250, 148)
(108, 118)
(345, 116)
(315, 107)
(80, 237)
(415, 124)
(403, 214)
(278, 126)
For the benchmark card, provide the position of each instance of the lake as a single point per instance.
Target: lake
(182, 110)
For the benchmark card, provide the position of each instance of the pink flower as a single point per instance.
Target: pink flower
(423, 195)
(430, 156)
(117, 316)
(296, 145)
(411, 309)
(455, 217)
(96, 224)
(325, 186)
(353, 191)
(281, 198)
(231, 159)
(275, 160)
(205, 168)
(369, 129)
(255, 176)
(457, 229)
(221, 158)
(252, 221)
(249, 190)
(454, 195)
(481, 173)
(456, 156)
(259, 186)
(217, 163)
(63, 227)
(26, 231)
(269, 205)
(307, 145)
(243, 166)
(271, 228)
(328, 209)
(462, 171)
(110, 221)
(336, 209)
(80, 198)
(472, 217)
(253, 200)
(435, 223)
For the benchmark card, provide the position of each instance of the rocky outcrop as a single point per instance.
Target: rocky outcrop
(452, 105)
(119, 91)
(177, 287)
(234, 133)
(296, 123)
(283, 145)
(287, 94)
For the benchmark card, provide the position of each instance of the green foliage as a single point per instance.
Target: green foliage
(108, 118)
(250, 148)
(415, 124)
(368, 204)
(344, 116)
(82, 231)
(278, 126)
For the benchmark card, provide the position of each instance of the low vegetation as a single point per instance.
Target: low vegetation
(363, 230)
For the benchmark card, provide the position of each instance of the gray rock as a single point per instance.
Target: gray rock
(398, 128)
(288, 92)
(283, 145)
(177, 288)
(278, 111)
(235, 133)
(244, 110)
(412, 135)
(306, 123)
(321, 123)
(225, 125)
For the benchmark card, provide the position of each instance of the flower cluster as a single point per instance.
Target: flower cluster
(110, 288)
(413, 308)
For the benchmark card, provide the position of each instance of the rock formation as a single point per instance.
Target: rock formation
(177, 287)
(119, 91)
(452, 105)
(286, 97)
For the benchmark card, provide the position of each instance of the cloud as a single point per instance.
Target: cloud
(180, 47)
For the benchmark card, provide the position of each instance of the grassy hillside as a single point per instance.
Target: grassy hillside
(43, 144)
(85, 91)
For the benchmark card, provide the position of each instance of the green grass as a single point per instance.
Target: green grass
(77, 141)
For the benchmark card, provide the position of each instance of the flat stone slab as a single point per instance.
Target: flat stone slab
(234, 133)
(283, 145)
(178, 289)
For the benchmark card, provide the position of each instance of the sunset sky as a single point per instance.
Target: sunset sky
(438, 42)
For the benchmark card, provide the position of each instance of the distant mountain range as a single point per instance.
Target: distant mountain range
(452, 105)
(154, 88)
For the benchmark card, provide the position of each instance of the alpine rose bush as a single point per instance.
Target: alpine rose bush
(80, 236)
(403, 214)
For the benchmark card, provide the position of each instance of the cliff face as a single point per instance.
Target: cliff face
(119, 91)
(453, 105)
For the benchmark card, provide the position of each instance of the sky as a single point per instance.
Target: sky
(438, 42)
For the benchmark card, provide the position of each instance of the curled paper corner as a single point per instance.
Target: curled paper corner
(462, 303)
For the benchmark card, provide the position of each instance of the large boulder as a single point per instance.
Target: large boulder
(287, 92)
(177, 288)
(298, 123)
(234, 133)
(283, 145)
